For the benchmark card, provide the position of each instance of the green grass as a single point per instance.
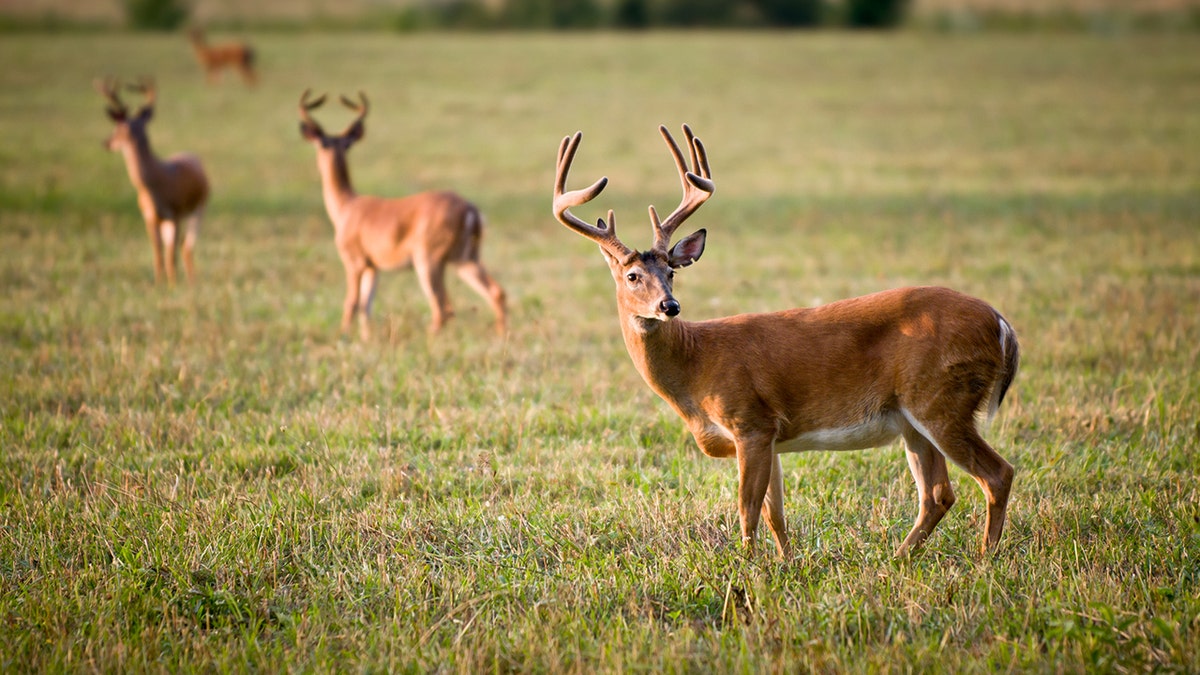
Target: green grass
(208, 478)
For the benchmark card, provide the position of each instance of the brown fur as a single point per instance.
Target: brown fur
(914, 362)
(427, 231)
(216, 58)
(169, 191)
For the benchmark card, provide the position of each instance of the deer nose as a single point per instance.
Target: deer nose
(670, 306)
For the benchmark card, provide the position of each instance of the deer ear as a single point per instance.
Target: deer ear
(612, 262)
(115, 115)
(146, 113)
(309, 132)
(688, 250)
(356, 131)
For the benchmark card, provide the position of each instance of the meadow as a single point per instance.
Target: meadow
(210, 478)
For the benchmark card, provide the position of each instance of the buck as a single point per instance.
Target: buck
(914, 362)
(426, 231)
(169, 191)
(215, 58)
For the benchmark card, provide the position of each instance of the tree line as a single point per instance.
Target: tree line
(588, 14)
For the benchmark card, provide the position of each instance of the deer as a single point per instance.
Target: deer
(919, 362)
(215, 58)
(170, 191)
(427, 231)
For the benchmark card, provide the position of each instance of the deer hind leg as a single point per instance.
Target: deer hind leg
(366, 296)
(755, 466)
(432, 276)
(772, 510)
(475, 275)
(960, 442)
(189, 245)
(928, 467)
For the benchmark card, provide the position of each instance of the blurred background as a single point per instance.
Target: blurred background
(584, 14)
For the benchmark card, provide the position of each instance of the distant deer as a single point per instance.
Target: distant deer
(215, 58)
(428, 231)
(915, 362)
(169, 191)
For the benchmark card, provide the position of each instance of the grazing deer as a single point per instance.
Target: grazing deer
(215, 58)
(428, 231)
(169, 191)
(913, 362)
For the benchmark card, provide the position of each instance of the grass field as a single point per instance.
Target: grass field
(209, 478)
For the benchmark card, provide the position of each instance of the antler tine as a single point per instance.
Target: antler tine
(603, 233)
(360, 108)
(109, 88)
(306, 105)
(145, 87)
(697, 186)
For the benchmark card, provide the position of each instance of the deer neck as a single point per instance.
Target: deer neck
(335, 184)
(663, 352)
(142, 164)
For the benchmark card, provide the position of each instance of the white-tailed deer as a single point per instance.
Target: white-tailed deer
(169, 191)
(428, 231)
(215, 58)
(914, 362)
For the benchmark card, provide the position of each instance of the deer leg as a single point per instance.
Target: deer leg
(755, 462)
(366, 295)
(189, 245)
(935, 495)
(959, 441)
(350, 304)
(473, 273)
(432, 277)
(156, 243)
(772, 510)
(170, 249)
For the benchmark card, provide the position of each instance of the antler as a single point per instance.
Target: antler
(360, 108)
(109, 88)
(145, 87)
(697, 187)
(306, 105)
(603, 233)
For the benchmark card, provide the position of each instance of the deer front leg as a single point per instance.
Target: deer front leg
(755, 456)
(366, 295)
(170, 251)
(156, 244)
(150, 215)
(350, 304)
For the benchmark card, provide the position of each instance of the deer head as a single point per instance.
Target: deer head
(128, 129)
(311, 131)
(644, 279)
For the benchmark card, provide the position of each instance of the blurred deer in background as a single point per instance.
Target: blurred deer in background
(428, 231)
(918, 362)
(169, 191)
(215, 58)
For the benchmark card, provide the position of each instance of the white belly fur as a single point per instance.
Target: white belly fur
(873, 433)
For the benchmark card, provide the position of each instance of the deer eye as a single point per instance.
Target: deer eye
(632, 277)
(670, 274)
